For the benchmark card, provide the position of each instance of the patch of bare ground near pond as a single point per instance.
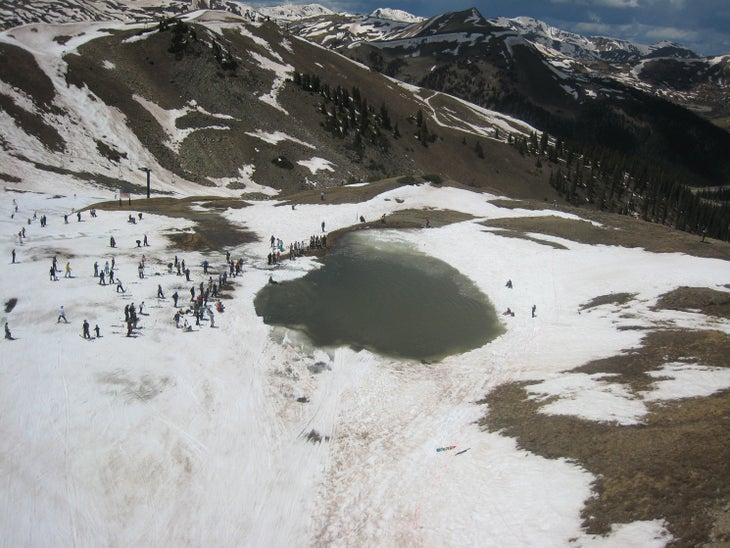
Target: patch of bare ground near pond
(673, 466)
(697, 299)
(602, 228)
(617, 299)
(401, 219)
(212, 231)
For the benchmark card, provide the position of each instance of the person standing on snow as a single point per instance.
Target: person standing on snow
(85, 329)
(8, 336)
(61, 315)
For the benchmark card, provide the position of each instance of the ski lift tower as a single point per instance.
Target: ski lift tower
(148, 171)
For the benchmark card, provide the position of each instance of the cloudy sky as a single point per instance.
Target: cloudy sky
(701, 25)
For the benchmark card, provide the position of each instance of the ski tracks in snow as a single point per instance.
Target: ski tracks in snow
(390, 422)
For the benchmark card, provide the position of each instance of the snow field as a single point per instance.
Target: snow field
(173, 438)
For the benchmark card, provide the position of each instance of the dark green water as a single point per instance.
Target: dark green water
(386, 298)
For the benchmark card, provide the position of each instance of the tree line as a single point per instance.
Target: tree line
(348, 115)
(585, 173)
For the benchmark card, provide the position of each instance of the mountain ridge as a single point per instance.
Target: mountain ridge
(455, 97)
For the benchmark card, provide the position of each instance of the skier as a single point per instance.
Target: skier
(96, 327)
(13, 254)
(96, 269)
(120, 288)
(85, 328)
(61, 315)
(102, 281)
(534, 308)
(175, 297)
(53, 275)
(112, 242)
(68, 270)
(7, 332)
(508, 285)
(144, 241)
(160, 294)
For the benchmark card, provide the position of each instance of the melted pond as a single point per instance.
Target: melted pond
(385, 297)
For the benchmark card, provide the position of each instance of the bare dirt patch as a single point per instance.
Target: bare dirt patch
(614, 230)
(212, 231)
(528, 237)
(617, 299)
(697, 299)
(675, 466)
(344, 194)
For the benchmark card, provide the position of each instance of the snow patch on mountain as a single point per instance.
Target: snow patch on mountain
(395, 15)
(294, 12)
(316, 164)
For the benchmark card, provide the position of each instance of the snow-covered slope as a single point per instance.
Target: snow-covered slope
(244, 434)
(579, 47)
(294, 12)
(395, 15)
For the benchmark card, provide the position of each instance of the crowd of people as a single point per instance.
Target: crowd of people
(201, 307)
(299, 248)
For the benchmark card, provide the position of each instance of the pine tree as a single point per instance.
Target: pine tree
(478, 150)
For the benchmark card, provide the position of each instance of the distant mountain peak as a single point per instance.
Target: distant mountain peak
(294, 12)
(601, 48)
(395, 15)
